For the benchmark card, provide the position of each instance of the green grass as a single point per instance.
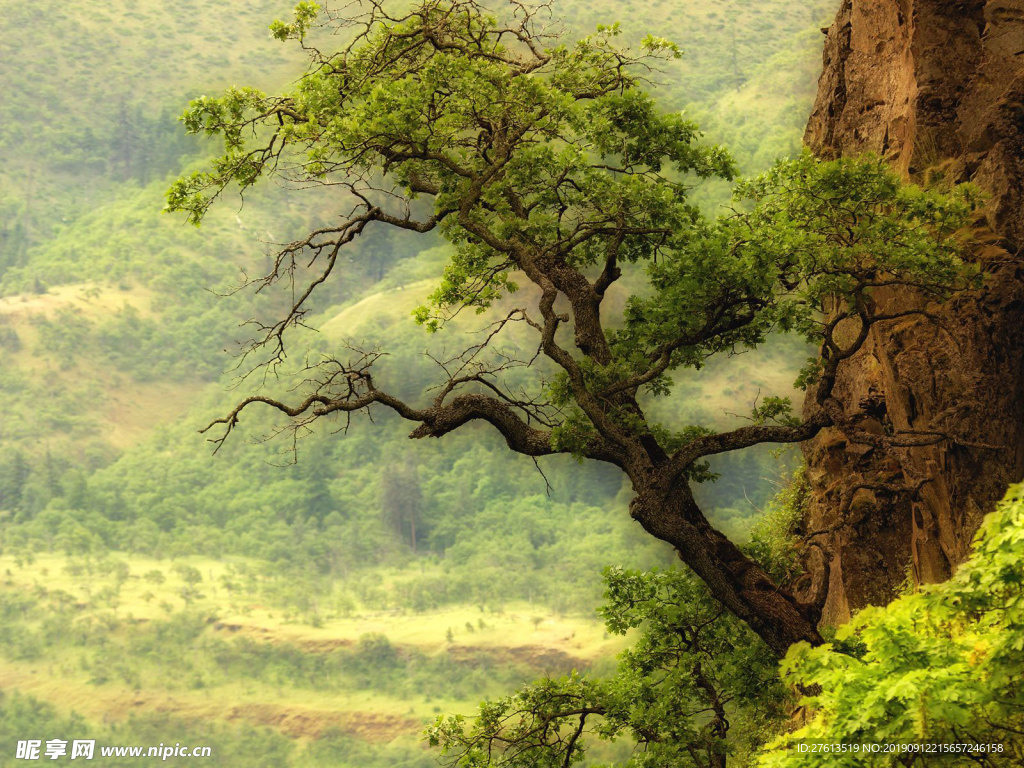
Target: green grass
(60, 379)
(117, 602)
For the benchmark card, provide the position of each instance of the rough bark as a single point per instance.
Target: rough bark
(668, 511)
(937, 87)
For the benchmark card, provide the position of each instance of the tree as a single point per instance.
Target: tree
(939, 666)
(401, 500)
(695, 687)
(548, 162)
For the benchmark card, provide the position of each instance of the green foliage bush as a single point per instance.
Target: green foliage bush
(941, 666)
(944, 665)
(696, 687)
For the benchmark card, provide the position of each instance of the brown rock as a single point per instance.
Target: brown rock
(936, 87)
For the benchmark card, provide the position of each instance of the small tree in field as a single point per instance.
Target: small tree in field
(547, 162)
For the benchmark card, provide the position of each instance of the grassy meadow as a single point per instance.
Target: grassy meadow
(201, 639)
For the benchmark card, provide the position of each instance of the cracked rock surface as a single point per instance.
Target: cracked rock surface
(937, 88)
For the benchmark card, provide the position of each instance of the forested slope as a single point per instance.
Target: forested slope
(138, 322)
(115, 349)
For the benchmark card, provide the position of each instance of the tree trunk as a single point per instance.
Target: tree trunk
(936, 87)
(735, 580)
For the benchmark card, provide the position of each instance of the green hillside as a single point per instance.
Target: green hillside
(118, 330)
(91, 96)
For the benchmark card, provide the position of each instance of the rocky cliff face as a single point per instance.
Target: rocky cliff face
(937, 87)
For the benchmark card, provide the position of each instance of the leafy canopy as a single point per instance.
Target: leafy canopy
(696, 686)
(548, 162)
(942, 665)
